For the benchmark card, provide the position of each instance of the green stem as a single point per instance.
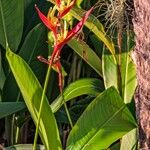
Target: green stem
(17, 135)
(68, 114)
(119, 60)
(41, 105)
(12, 129)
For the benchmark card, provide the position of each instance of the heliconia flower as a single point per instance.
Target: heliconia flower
(66, 9)
(47, 22)
(73, 32)
(54, 61)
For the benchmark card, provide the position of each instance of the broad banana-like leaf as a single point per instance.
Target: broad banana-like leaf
(87, 86)
(32, 91)
(103, 122)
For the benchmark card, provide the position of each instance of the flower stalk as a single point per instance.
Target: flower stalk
(41, 105)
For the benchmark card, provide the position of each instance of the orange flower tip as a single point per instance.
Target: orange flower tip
(39, 57)
(91, 9)
(58, 2)
(42, 59)
(36, 7)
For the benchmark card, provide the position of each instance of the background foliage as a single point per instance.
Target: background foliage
(99, 81)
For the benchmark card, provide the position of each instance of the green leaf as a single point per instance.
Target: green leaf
(129, 141)
(128, 74)
(33, 46)
(24, 147)
(98, 45)
(8, 108)
(123, 77)
(32, 91)
(110, 70)
(83, 86)
(95, 26)
(103, 122)
(84, 51)
(11, 22)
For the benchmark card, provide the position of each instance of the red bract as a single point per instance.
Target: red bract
(58, 3)
(57, 65)
(48, 22)
(67, 9)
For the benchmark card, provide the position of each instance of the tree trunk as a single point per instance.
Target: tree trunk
(141, 56)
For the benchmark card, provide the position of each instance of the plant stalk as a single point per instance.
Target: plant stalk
(41, 105)
(17, 135)
(68, 114)
(119, 60)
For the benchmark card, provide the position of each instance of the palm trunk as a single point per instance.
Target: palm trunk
(141, 56)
